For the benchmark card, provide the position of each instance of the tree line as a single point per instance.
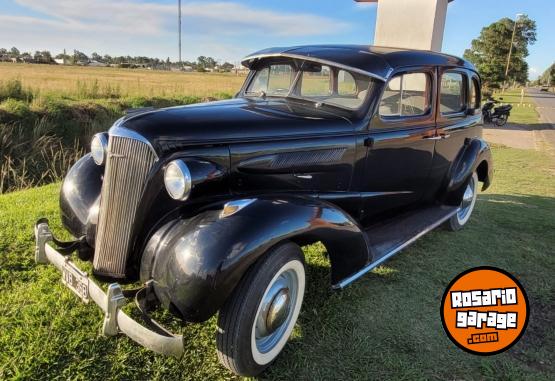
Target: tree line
(202, 63)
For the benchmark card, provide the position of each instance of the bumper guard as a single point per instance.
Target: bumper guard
(115, 320)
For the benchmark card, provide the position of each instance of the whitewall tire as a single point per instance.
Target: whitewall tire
(258, 318)
(459, 219)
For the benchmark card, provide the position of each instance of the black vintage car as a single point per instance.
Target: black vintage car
(364, 149)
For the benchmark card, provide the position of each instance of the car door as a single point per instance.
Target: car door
(400, 143)
(458, 118)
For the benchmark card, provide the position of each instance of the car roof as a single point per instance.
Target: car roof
(376, 61)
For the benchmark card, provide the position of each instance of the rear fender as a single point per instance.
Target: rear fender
(197, 262)
(475, 155)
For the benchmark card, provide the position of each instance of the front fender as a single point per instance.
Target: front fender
(196, 262)
(79, 198)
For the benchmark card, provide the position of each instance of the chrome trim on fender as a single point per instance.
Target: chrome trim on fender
(115, 320)
(234, 206)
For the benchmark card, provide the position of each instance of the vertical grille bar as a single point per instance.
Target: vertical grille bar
(127, 167)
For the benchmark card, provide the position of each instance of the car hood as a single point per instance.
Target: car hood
(232, 120)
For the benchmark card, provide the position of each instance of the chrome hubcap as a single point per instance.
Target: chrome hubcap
(276, 311)
(467, 201)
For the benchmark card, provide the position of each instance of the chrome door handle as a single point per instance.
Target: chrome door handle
(433, 138)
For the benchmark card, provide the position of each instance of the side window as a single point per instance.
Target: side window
(475, 94)
(452, 93)
(316, 83)
(260, 82)
(406, 95)
(346, 84)
(280, 79)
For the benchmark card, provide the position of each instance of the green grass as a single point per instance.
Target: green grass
(385, 326)
(523, 113)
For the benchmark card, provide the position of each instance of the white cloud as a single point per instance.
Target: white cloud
(128, 26)
(223, 29)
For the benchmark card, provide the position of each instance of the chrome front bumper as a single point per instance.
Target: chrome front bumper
(115, 320)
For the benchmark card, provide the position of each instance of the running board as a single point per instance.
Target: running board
(388, 238)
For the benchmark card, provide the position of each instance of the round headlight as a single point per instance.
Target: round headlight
(99, 147)
(177, 179)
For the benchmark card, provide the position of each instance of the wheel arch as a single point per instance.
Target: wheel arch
(195, 263)
(474, 156)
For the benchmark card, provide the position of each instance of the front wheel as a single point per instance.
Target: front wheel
(258, 318)
(459, 219)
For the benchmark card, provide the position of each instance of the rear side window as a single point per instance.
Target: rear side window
(475, 94)
(406, 95)
(452, 93)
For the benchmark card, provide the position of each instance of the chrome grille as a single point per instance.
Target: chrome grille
(127, 166)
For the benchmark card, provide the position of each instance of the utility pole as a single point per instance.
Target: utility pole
(511, 47)
(179, 27)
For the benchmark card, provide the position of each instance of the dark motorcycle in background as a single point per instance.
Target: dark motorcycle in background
(496, 115)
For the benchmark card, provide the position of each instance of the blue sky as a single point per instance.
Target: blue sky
(230, 29)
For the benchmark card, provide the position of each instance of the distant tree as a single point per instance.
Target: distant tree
(548, 76)
(210, 62)
(80, 56)
(27, 57)
(490, 50)
(3, 51)
(227, 66)
(96, 57)
(201, 61)
(14, 52)
(42, 57)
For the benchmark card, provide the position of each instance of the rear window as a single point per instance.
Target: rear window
(452, 93)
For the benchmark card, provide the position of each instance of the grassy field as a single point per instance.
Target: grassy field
(75, 82)
(385, 326)
(525, 112)
(48, 113)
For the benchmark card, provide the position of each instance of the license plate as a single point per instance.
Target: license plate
(76, 281)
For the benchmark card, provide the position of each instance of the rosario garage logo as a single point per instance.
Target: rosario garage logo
(484, 310)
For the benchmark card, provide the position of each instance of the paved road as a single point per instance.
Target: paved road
(540, 136)
(545, 105)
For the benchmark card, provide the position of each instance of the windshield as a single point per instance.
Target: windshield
(322, 84)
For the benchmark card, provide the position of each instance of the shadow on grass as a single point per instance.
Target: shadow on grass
(387, 324)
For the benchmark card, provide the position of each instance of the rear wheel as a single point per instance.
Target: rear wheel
(501, 120)
(459, 219)
(258, 318)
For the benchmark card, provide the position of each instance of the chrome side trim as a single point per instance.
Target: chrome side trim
(117, 130)
(345, 282)
(314, 59)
